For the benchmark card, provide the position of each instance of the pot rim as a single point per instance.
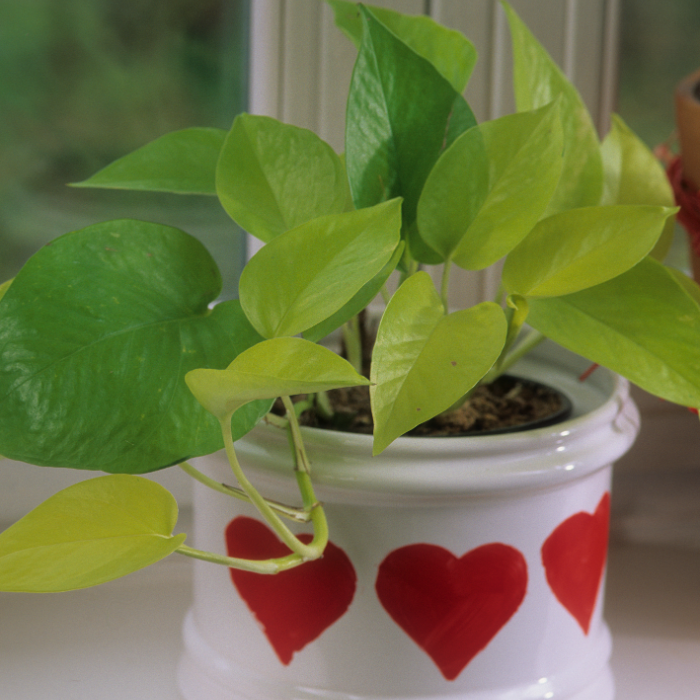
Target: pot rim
(603, 427)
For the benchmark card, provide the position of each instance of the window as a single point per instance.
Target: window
(83, 82)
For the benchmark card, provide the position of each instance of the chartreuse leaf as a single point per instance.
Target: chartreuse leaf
(401, 115)
(99, 329)
(448, 50)
(307, 274)
(4, 287)
(644, 324)
(633, 175)
(272, 176)
(272, 368)
(580, 248)
(88, 534)
(489, 188)
(538, 81)
(183, 162)
(424, 360)
(358, 302)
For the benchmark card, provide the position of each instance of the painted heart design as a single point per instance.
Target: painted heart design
(296, 606)
(574, 558)
(452, 608)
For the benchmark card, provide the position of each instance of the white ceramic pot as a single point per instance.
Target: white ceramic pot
(468, 568)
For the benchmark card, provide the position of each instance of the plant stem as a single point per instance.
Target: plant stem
(530, 341)
(306, 552)
(445, 287)
(297, 514)
(264, 566)
(353, 343)
(303, 473)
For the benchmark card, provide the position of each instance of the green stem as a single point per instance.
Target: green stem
(445, 287)
(353, 343)
(530, 341)
(307, 552)
(303, 473)
(264, 566)
(296, 514)
(323, 405)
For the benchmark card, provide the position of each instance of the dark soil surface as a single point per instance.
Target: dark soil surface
(506, 403)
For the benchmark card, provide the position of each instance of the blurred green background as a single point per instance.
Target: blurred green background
(83, 82)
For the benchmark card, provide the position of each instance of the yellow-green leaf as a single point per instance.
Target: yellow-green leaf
(89, 533)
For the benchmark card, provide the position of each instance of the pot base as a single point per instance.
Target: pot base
(203, 674)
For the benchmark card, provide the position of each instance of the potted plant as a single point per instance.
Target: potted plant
(114, 358)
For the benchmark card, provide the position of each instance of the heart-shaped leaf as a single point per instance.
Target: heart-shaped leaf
(272, 368)
(580, 248)
(183, 162)
(538, 81)
(358, 302)
(272, 176)
(448, 50)
(90, 533)
(489, 188)
(401, 115)
(424, 361)
(307, 274)
(644, 324)
(633, 175)
(99, 329)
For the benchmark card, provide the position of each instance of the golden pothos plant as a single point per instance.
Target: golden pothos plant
(114, 356)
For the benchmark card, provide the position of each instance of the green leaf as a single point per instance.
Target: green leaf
(183, 162)
(538, 81)
(581, 248)
(272, 177)
(644, 324)
(424, 361)
(307, 274)
(4, 287)
(272, 368)
(401, 115)
(88, 534)
(452, 54)
(491, 186)
(358, 302)
(633, 175)
(99, 329)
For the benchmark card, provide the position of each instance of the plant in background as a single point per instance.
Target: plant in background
(114, 358)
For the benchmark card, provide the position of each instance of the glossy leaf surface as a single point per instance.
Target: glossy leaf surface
(359, 302)
(448, 50)
(581, 248)
(424, 360)
(99, 329)
(307, 274)
(401, 115)
(488, 189)
(272, 177)
(183, 162)
(633, 175)
(538, 81)
(272, 368)
(644, 324)
(88, 534)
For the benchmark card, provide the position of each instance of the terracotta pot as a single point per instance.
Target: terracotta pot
(687, 102)
(468, 568)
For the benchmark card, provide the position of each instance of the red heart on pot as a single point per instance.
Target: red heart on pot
(574, 560)
(452, 608)
(295, 606)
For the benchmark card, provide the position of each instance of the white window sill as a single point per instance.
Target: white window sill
(122, 640)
